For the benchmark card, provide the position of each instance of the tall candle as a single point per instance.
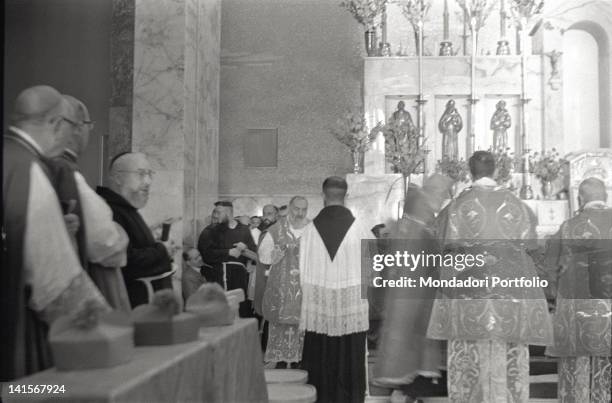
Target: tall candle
(502, 20)
(446, 20)
(421, 58)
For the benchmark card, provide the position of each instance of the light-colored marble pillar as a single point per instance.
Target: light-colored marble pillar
(175, 107)
(119, 136)
(202, 77)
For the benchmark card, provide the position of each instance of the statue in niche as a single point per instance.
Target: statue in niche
(402, 116)
(500, 123)
(450, 125)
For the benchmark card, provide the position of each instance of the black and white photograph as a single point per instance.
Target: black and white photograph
(307, 201)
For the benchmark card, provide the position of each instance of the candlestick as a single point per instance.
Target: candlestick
(420, 50)
(503, 46)
(446, 46)
(465, 35)
(445, 15)
(471, 138)
(502, 20)
(383, 25)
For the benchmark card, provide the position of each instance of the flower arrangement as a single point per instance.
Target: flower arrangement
(456, 169)
(351, 130)
(403, 150)
(416, 11)
(548, 166)
(525, 9)
(477, 11)
(505, 161)
(402, 147)
(365, 11)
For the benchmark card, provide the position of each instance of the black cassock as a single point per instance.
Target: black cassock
(335, 364)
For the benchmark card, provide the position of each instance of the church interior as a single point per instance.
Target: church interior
(253, 102)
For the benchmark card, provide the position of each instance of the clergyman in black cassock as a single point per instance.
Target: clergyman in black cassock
(334, 315)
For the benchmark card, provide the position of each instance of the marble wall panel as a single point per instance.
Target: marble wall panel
(158, 104)
(119, 136)
(294, 66)
(201, 124)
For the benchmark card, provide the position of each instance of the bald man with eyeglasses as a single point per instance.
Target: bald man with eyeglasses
(130, 181)
(41, 277)
(99, 241)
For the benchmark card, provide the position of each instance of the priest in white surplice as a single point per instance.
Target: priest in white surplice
(334, 315)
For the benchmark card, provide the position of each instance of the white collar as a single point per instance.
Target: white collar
(27, 138)
(485, 181)
(595, 204)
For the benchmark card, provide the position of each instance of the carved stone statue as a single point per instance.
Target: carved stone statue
(500, 123)
(450, 125)
(401, 115)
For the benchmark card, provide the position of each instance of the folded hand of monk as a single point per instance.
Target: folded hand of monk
(72, 223)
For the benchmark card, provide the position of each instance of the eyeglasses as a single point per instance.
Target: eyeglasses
(143, 173)
(90, 123)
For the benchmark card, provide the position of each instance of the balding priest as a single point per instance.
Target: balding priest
(99, 240)
(488, 327)
(580, 260)
(129, 184)
(41, 277)
(334, 314)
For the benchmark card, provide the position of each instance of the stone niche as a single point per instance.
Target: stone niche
(388, 80)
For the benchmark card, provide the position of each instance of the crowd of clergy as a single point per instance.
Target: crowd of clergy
(67, 245)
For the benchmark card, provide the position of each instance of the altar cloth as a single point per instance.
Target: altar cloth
(224, 365)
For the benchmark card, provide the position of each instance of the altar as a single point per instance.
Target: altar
(501, 76)
(224, 365)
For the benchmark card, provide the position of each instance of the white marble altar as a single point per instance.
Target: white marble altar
(389, 79)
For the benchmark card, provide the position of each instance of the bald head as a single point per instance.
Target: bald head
(79, 129)
(334, 190)
(131, 177)
(38, 111)
(37, 104)
(591, 189)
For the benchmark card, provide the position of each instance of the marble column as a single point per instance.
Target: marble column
(119, 137)
(202, 77)
(175, 107)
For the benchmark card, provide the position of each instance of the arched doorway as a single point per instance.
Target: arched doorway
(586, 80)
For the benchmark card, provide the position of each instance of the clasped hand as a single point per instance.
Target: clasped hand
(236, 251)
